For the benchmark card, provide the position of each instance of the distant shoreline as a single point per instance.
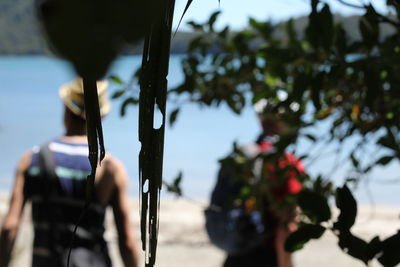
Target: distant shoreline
(45, 54)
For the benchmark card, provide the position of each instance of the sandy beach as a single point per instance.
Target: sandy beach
(183, 241)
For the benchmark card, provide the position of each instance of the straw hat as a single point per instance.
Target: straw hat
(72, 95)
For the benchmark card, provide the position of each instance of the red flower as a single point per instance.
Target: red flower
(294, 167)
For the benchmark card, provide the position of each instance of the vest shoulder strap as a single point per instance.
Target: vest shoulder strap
(46, 162)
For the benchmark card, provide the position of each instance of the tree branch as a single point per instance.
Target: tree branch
(351, 5)
(387, 20)
(383, 18)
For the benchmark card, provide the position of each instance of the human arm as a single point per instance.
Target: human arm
(120, 206)
(287, 224)
(283, 231)
(12, 219)
(288, 217)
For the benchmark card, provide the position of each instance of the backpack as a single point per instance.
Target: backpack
(88, 253)
(231, 228)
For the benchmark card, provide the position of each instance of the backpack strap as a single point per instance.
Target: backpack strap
(46, 162)
(51, 189)
(47, 166)
(47, 172)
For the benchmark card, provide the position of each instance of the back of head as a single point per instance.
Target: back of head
(73, 97)
(269, 117)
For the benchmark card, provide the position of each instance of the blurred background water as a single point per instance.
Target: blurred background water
(31, 113)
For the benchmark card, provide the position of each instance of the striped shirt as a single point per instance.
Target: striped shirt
(57, 203)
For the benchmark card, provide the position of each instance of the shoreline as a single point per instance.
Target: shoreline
(184, 242)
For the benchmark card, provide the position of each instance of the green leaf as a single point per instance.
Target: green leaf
(224, 32)
(351, 180)
(369, 27)
(388, 141)
(305, 233)
(326, 23)
(173, 116)
(317, 85)
(213, 19)
(118, 93)
(319, 31)
(115, 79)
(128, 101)
(348, 208)
(257, 96)
(175, 186)
(353, 246)
(311, 137)
(195, 44)
(340, 40)
(314, 206)
(390, 249)
(300, 85)
(385, 160)
(256, 24)
(373, 248)
(178, 179)
(303, 157)
(292, 35)
(314, 4)
(312, 30)
(354, 161)
(195, 26)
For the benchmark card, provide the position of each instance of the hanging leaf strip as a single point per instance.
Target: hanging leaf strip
(95, 139)
(153, 89)
(94, 132)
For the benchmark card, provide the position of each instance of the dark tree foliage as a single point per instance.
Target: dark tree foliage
(319, 74)
(324, 75)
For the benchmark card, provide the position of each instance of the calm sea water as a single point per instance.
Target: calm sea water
(31, 113)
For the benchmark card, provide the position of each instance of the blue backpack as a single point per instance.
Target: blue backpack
(230, 228)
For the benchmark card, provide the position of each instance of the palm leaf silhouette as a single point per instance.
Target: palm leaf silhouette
(153, 91)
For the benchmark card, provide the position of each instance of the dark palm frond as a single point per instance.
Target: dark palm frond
(189, 2)
(94, 131)
(153, 90)
(95, 139)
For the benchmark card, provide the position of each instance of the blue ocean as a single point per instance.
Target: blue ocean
(31, 113)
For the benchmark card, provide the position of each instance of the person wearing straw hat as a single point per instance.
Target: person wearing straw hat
(53, 178)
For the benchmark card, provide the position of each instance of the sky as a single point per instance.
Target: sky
(235, 13)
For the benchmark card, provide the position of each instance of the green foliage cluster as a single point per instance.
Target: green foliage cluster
(317, 211)
(317, 75)
(320, 74)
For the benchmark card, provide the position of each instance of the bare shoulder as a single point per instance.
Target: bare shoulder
(115, 168)
(111, 179)
(24, 161)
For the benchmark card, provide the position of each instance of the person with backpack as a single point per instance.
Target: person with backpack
(253, 234)
(53, 178)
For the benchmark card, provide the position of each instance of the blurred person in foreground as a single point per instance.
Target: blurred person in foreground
(253, 207)
(53, 178)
